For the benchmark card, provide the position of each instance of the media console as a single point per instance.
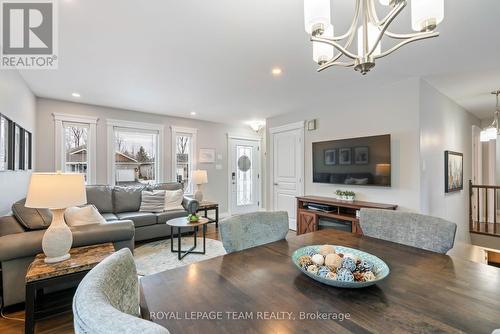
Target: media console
(313, 211)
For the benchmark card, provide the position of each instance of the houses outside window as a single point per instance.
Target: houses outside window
(76, 148)
(184, 157)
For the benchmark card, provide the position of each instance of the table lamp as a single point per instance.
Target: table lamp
(199, 177)
(56, 191)
(383, 171)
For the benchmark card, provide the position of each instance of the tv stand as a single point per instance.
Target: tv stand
(308, 219)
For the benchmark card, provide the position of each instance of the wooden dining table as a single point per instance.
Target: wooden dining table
(259, 290)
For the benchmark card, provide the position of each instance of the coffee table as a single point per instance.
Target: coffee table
(183, 222)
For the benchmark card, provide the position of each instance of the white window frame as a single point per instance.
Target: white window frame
(115, 123)
(176, 131)
(59, 148)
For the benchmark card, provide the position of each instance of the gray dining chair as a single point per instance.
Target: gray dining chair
(107, 299)
(411, 229)
(252, 229)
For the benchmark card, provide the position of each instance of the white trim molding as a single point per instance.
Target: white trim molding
(288, 127)
(243, 137)
(59, 149)
(115, 123)
(193, 132)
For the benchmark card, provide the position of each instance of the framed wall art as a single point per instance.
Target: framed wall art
(454, 171)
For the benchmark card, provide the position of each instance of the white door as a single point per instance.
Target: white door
(244, 175)
(288, 166)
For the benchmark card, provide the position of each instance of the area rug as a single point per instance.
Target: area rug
(154, 257)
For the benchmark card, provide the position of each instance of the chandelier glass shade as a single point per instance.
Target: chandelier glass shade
(493, 130)
(369, 30)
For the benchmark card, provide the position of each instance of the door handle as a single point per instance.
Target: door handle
(276, 184)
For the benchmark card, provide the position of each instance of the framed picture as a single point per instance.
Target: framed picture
(207, 155)
(345, 156)
(454, 171)
(27, 150)
(4, 143)
(361, 155)
(330, 157)
(17, 147)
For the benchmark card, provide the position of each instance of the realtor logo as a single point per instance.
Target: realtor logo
(29, 34)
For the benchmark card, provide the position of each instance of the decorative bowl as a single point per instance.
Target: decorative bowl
(380, 268)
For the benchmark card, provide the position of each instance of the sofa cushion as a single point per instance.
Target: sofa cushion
(127, 199)
(86, 215)
(139, 218)
(165, 186)
(152, 201)
(173, 199)
(32, 219)
(101, 197)
(109, 216)
(9, 225)
(165, 216)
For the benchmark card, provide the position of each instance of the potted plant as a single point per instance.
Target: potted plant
(345, 195)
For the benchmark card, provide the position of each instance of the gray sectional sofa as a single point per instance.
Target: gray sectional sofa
(21, 233)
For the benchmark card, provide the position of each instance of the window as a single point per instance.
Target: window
(183, 152)
(136, 153)
(75, 145)
(76, 158)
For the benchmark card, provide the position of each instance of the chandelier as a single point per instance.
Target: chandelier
(369, 29)
(492, 131)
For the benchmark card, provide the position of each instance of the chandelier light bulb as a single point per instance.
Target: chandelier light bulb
(426, 14)
(323, 52)
(316, 16)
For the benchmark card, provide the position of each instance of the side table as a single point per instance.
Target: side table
(42, 275)
(183, 222)
(206, 206)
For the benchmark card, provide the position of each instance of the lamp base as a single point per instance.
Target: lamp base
(58, 239)
(57, 259)
(198, 195)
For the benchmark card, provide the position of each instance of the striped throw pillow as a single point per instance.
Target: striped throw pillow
(153, 201)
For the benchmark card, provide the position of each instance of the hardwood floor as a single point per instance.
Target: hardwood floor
(61, 324)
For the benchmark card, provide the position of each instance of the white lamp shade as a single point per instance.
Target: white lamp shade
(423, 11)
(384, 2)
(323, 51)
(316, 12)
(56, 191)
(200, 177)
(373, 33)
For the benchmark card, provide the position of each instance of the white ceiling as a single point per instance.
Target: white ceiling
(215, 57)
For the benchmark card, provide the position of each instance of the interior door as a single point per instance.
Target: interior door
(288, 166)
(244, 175)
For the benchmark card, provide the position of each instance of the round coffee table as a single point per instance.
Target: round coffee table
(183, 222)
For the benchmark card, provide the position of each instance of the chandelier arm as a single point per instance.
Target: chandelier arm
(402, 36)
(410, 40)
(372, 13)
(332, 63)
(352, 29)
(335, 44)
(389, 19)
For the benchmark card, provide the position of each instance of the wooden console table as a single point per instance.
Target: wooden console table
(308, 219)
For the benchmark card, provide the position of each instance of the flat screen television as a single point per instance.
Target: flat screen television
(356, 161)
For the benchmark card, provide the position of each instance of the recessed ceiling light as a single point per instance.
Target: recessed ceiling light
(193, 113)
(76, 95)
(276, 71)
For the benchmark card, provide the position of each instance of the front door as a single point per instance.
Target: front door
(288, 166)
(244, 169)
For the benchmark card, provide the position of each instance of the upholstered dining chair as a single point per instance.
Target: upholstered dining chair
(252, 229)
(107, 299)
(411, 229)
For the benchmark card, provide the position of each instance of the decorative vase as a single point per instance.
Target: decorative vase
(58, 239)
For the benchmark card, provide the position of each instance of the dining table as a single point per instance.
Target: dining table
(260, 290)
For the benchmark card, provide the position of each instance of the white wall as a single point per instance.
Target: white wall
(210, 135)
(17, 103)
(391, 109)
(444, 126)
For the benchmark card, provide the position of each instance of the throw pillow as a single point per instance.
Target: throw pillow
(32, 219)
(153, 201)
(173, 199)
(86, 215)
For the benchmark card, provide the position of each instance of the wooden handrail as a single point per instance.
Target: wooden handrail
(480, 222)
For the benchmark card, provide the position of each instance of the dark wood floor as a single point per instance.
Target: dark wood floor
(62, 324)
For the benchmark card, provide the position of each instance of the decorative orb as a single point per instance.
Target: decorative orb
(333, 260)
(305, 261)
(323, 271)
(364, 265)
(327, 249)
(349, 264)
(345, 275)
(318, 259)
(331, 275)
(354, 257)
(369, 276)
(313, 269)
